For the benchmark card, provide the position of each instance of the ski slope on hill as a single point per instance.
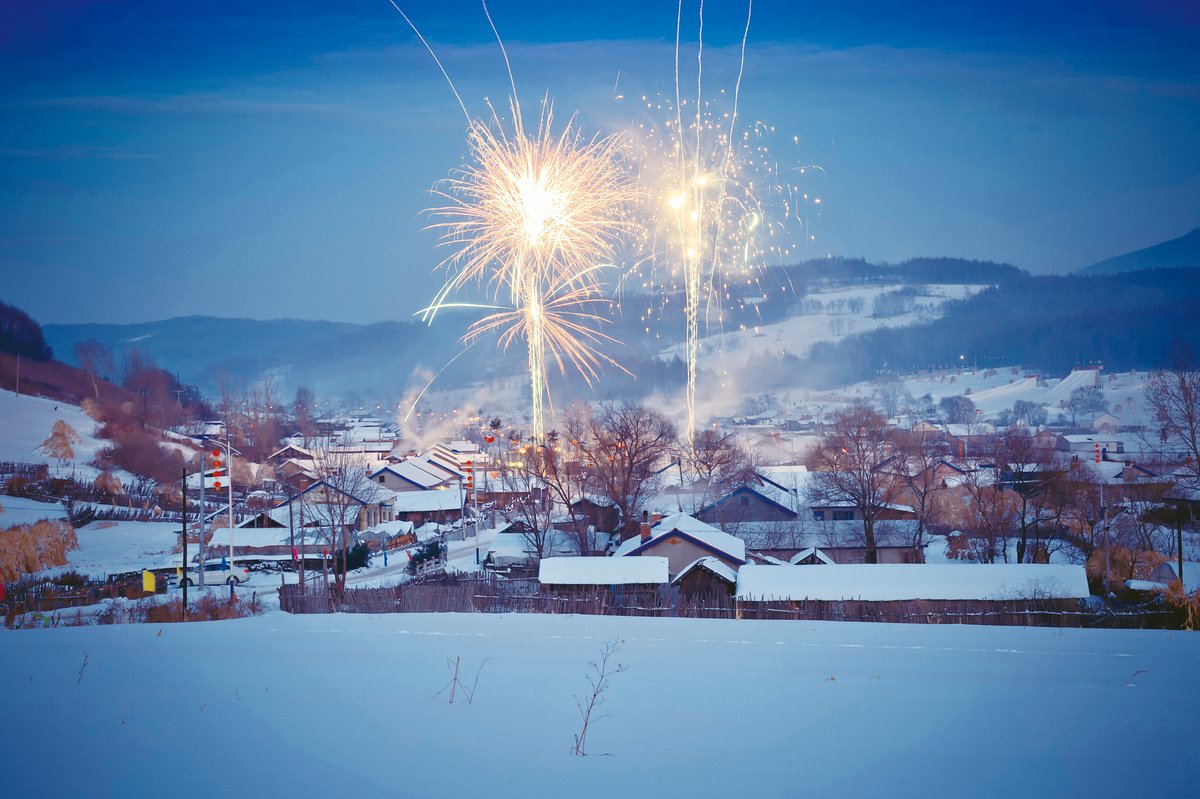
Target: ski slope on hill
(1061, 391)
(797, 334)
(349, 705)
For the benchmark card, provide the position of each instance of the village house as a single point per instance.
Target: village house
(408, 475)
(683, 539)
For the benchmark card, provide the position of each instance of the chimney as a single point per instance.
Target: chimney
(645, 526)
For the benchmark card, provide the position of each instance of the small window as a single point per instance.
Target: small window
(381, 478)
(819, 515)
(843, 515)
(745, 501)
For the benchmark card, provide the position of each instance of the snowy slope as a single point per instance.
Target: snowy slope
(25, 422)
(797, 334)
(348, 705)
(996, 390)
(108, 547)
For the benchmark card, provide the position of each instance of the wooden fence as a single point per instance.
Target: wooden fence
(55, 594)
(495, 594)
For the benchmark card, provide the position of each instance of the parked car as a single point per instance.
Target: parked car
(214, 574)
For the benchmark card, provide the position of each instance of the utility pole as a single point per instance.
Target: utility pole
(185, 560)
(1104, 521)
(203, 479)
(229, 479)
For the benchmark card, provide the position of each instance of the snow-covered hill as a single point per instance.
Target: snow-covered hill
(25, 423)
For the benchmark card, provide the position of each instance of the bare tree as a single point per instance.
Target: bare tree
(1086, 399)
(1033, 470)
(918, 459)
(719, 463)
(521, 475)
(95, 360)
(889, 391)
(849, 466)
(302, 408)
(336, 501)
(624, 448)
(985, 512)
(1173, 403)
(958, 410)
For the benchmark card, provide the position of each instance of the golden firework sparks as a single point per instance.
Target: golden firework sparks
(534, 216)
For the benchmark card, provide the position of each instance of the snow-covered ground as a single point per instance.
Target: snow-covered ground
(348, 705)
(25, 423)
(108, 547)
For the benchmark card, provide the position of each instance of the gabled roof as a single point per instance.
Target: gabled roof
(286, 447)
(687, 527)
(442, 464)
(804, 554)
(411, 471)
(714, 565)
(317, 485)
(765, 495)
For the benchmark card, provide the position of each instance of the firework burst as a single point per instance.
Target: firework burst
(534, 216)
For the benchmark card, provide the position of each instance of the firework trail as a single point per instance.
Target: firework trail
(533, 216)
(718, 205)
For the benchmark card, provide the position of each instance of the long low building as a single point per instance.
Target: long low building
(894, 582)
(603, 571)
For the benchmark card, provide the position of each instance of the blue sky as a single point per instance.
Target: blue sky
(273, 160)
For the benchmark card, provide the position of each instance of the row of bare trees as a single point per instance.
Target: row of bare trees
(1025, 498)
(615, 456)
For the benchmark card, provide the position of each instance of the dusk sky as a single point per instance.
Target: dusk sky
(261, 160)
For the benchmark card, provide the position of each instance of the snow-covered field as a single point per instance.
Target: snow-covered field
(347, 705)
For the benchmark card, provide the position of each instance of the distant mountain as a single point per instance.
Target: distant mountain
(333, 357)
(1180, 253)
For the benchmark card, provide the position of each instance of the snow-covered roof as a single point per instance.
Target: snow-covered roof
(308, 453)
(514, 547)
(806, 553)
(428, 501)
(413, 471)
(391, 529)
(887, 582)
(603, 571)
(690, 527)
(714, 565)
